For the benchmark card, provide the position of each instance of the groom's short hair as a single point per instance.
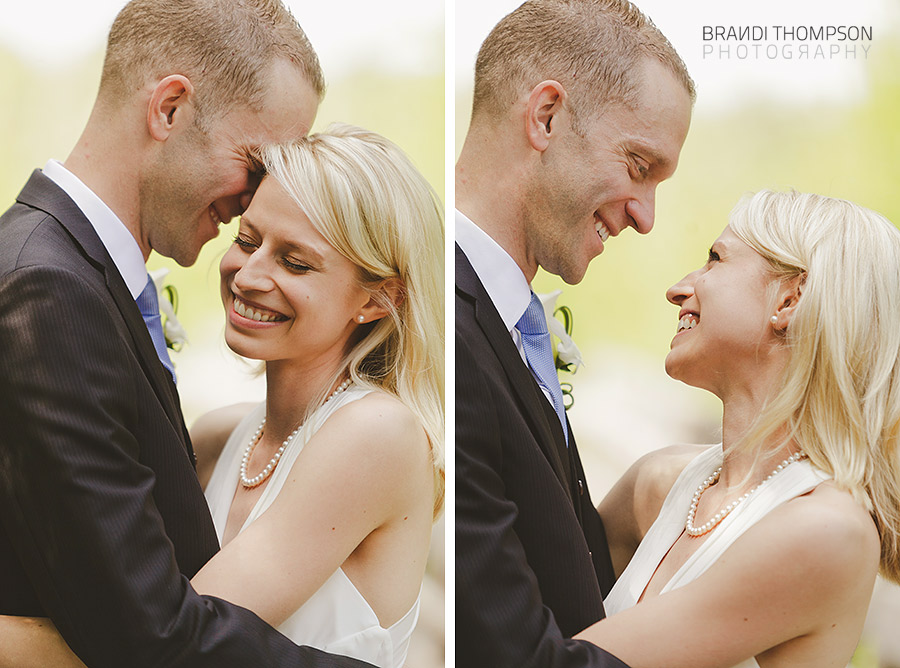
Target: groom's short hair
(225, 47)
(591, 47)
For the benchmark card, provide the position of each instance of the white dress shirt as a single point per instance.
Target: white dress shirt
(498, 272)
(118, 241)
(501, 277)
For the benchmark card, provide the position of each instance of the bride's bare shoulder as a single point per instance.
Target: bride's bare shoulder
(667, 463)
(374, 429)
(814, 558)
(633, 503)
(654, 474)
(210, 433)
(834, 529)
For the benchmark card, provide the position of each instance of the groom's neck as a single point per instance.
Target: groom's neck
(106, 159)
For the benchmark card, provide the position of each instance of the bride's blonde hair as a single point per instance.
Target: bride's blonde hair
(363, 194)
(840, 395)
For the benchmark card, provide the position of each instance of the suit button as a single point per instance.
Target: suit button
(580, 488)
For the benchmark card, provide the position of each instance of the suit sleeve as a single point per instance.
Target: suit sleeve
(78, 505)
(501, 621)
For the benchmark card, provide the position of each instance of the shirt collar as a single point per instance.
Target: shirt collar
(501, 277)
(118, 241)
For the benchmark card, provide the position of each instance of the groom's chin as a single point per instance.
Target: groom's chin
(573, 271)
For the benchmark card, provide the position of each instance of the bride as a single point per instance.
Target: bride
(324, 495)
(762, 552)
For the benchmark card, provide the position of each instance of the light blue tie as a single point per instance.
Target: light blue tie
(539, 353)
(148, 303)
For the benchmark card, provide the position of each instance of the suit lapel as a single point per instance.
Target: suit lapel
(41, 193)
(538, 412)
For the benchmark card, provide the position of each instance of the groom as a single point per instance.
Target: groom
(102, 520)
(580, 110)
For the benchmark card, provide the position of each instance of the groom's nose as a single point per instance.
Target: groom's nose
(641, 211)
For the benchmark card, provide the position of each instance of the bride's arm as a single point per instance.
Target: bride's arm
(33, 642)
(800, 572)
(351, 478)
(363, 470)
(633, 503)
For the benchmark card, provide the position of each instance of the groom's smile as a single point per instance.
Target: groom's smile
(216, 218)
(600, 227)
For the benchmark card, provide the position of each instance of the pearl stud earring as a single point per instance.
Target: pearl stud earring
(774, 319)
(360, 318)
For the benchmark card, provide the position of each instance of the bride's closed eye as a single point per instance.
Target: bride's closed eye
(295, 265)
(291, 264)
(244, 243)
(713, 256)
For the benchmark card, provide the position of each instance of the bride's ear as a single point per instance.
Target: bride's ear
(789, 295)
(387, 296)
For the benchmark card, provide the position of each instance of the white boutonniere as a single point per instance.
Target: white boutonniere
(565, 352)
(176, 337)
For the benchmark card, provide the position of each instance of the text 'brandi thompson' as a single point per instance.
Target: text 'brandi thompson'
(800, 42)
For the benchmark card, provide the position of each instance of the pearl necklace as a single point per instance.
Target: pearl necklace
(693, 531)
(257, 480)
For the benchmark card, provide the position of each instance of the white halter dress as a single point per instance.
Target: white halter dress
(795, 480)
(336, 618)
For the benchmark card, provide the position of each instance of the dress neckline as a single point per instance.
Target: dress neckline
(794, 481)
(232, 453)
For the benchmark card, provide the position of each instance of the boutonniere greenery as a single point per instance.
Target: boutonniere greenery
(175, 335)
(565, 352)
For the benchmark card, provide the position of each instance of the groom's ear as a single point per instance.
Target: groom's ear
(544, 104)
(170, 105)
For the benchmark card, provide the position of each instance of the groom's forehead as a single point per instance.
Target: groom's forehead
(249, 130)
(284, 114)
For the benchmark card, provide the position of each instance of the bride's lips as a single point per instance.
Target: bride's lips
(251, 315)
(687, 320)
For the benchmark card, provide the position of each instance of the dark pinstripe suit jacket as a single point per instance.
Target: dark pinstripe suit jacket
(531, 553)
(103, 519)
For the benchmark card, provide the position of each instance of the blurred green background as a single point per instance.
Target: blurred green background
(829, 125)
(384, 66)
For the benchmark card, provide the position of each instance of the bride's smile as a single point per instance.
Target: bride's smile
(726, 347)
(254, 312)
(288, 293)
